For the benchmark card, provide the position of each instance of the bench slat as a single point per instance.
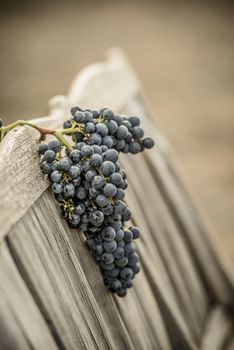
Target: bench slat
(52, 270)
(22, 326)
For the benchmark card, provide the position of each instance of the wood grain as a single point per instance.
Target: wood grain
(21, 323)
(176, 299)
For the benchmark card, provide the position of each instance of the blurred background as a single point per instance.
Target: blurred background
(183, 53)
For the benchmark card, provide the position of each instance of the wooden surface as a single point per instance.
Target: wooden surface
(50, 287)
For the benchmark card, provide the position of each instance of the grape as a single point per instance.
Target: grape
(96, 218)
(135, 121)
(89, 184)
(98, 182)
(119, 235)
(136, 268)
(87, 151)
(75, 156)
(108, 267)
(107, 141)
(126, 273)
(81, 192)
(74, 171)
(119, 208)
(104, 148)
(110, 246)
(86, 166)
(115, 286)
(135, 232)
(108, 233)
(76, 109)
(95, 113)
(108, 114)
(56, 176)
(120, 194)
(112, 273)
(112, 127)
(95, 139)
(108, 209)
(129, 249)
(97, 149)
(121, 244)
(102, 110)
(74, 219)
(79, 117)
(134, 147)
(126, 215)
(120, 144)
(127, 283)
(148, 142)
(56, 187)
(101, 200)
(69, 190)
(55, 146)
(109, 190)
(99, 248)
(43, 147)
(46, 167)
(96, 160)
(128, 236)
(119, 252)
(133, 259)
(137, 132)
(107, 168)
(90, 128)
(79, 145)
(101, 129)
(122, 292)
(107, 258)
(116, 178)
(67, 124)
(64, 164)
(88, 117)
(112, 155)
(121, 133)
(90, 175)
(79, 209)
(121, 262)
(49, 156)
(118, 119)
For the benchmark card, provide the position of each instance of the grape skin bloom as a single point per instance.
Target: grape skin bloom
(89, 184)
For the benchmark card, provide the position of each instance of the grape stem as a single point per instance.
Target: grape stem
(44, 131)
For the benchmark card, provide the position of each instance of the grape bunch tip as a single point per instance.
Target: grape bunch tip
(89, 185)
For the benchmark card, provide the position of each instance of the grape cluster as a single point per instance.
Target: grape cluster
(90, 185)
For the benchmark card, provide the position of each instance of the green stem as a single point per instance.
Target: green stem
(44, 131)
(62, 140)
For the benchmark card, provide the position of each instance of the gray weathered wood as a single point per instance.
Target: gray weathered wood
(21, 323)
(175, 302)
(218, 331)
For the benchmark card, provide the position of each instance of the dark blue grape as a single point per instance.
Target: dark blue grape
(107, 168)
(43, 147)
(49, 156)
(148, 142)
(55, 146)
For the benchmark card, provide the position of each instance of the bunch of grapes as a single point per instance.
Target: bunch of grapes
(89, 184)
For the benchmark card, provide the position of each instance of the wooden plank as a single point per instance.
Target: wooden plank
(189, 298)
(219, 329)
(22, 326)
(73, 296)
(199, 240)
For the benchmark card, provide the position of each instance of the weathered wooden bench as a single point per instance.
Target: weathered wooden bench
(51, 292)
